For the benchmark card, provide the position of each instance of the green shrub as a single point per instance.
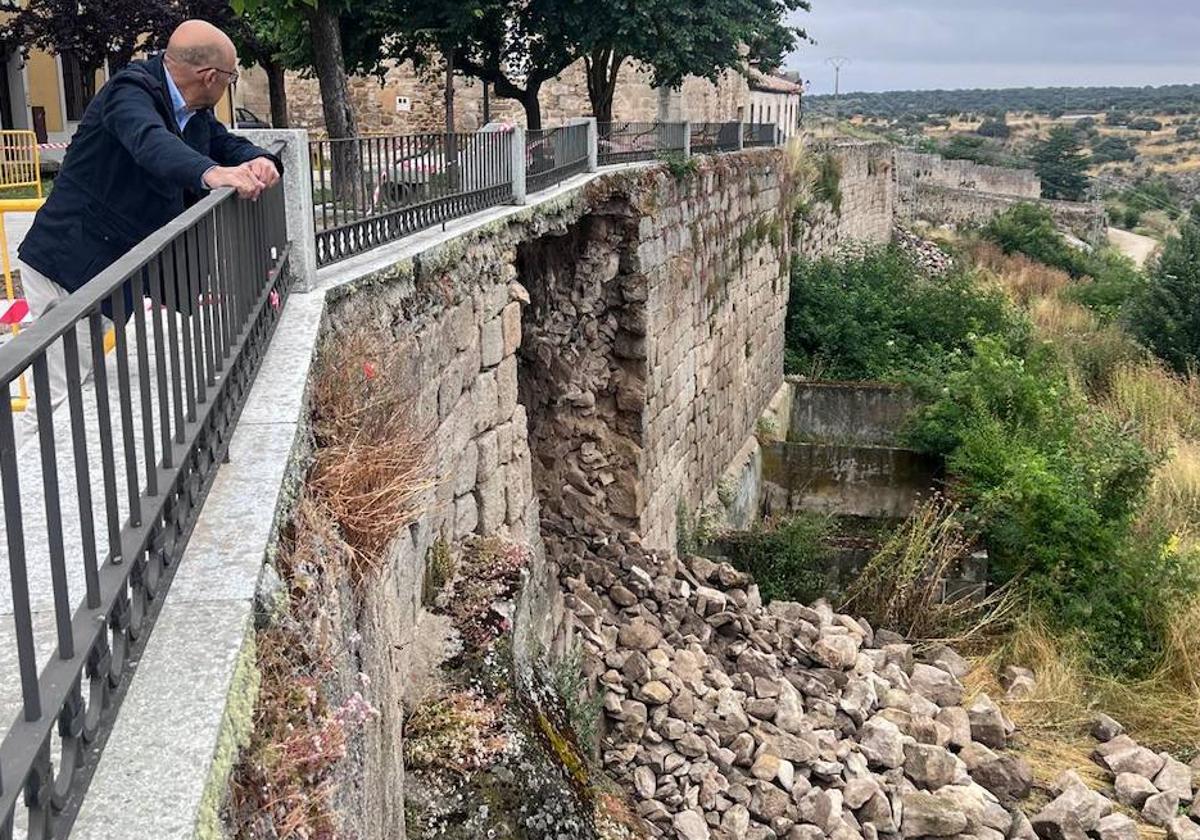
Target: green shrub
(1029, 229)
(1165, 316)
(1053, 486)
(679, 165)
(875, 316)
(788, 560)
(1114, 279)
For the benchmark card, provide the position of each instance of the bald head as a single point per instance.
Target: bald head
(197, 43)
(202, 61)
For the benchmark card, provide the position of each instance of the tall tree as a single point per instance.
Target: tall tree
(1165, 316)
(674, 40)
(1060, 163)
(514, 45)
(92, 31)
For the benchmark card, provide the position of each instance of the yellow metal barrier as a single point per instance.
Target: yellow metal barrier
(19, 162)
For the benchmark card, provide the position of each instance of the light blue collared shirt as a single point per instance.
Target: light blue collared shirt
(182, 112)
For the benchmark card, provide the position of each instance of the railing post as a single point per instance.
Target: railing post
(687, 138)
(518, 165)
(593, 141)
(298, 198)
(741, 137)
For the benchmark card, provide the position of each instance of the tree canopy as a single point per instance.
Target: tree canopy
(1060, 163)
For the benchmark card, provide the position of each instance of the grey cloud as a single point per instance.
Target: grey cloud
(942, 43)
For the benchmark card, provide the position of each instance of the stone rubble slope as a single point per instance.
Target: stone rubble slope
(729, 719)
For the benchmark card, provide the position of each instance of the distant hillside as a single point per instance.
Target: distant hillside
(1169, 99)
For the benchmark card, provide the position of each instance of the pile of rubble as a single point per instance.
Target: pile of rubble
(731, 720)
(1160, 788)
(928, 256)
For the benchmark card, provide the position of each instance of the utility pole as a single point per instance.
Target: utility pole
(837, 62)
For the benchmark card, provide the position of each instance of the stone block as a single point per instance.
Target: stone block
(488, 447)
(462, 325)
(510, 321)
(485, 397)
(491, 343)
(493, 503)
(466, 515)
(506, 385)
(467, 470)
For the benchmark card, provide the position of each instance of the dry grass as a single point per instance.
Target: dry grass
(1161, 710)
(901, 586)
(1163, 407)
(372, 466)
(1022, 279)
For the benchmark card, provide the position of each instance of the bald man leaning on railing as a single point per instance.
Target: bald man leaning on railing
(148, 146)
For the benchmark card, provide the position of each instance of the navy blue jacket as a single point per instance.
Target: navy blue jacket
(127, 172)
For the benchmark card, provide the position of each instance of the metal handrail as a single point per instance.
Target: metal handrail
(219, 270)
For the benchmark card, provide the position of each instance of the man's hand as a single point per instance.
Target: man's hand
(241, 178)
(264, 169)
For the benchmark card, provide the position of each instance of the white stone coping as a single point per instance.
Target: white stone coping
(164, 772)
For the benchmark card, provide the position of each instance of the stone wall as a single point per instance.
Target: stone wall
(868, 199)
(562, 98)
(960, 207)
(714, 258)
(915, 167)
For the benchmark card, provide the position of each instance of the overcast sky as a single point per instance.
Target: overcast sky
(909, 44)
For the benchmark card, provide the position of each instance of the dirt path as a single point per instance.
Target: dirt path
(1133, 245)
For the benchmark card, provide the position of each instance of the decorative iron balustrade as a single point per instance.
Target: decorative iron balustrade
(100, 495)
(372, 190)
(759, 135)
(711, 137)
(626, 142)
(554, 154)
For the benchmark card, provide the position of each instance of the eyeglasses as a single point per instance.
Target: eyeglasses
(232, 74)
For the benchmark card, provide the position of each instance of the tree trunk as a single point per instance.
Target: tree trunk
(451, 140)
(277, 91)
(335, 104)
(603, 66)
(533, 106)
(331, 72)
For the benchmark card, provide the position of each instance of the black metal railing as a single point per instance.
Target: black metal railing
(710, 137)
(372, 190)
(554, 154)
(626, 142)
(100, 495)
(759, 135)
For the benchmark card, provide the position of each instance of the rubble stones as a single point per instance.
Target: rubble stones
(1181, 828)
(1070, 816)
(1133, 790)
(1161, 808)
(1175, 777)
(927, 815)
(1105, 728)
(1118, 827)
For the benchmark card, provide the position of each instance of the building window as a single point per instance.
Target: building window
(78, 87)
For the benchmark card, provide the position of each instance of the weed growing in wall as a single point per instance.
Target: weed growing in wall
(828, 186)
(679, 165)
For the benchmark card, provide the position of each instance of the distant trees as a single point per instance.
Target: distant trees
(1110, 149)
(1121, 102)
(1060, 163)
(993, 127)
(1145, 124)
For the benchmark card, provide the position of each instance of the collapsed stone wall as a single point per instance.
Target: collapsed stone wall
(961, 207)
(601, 359)
(914, 168)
